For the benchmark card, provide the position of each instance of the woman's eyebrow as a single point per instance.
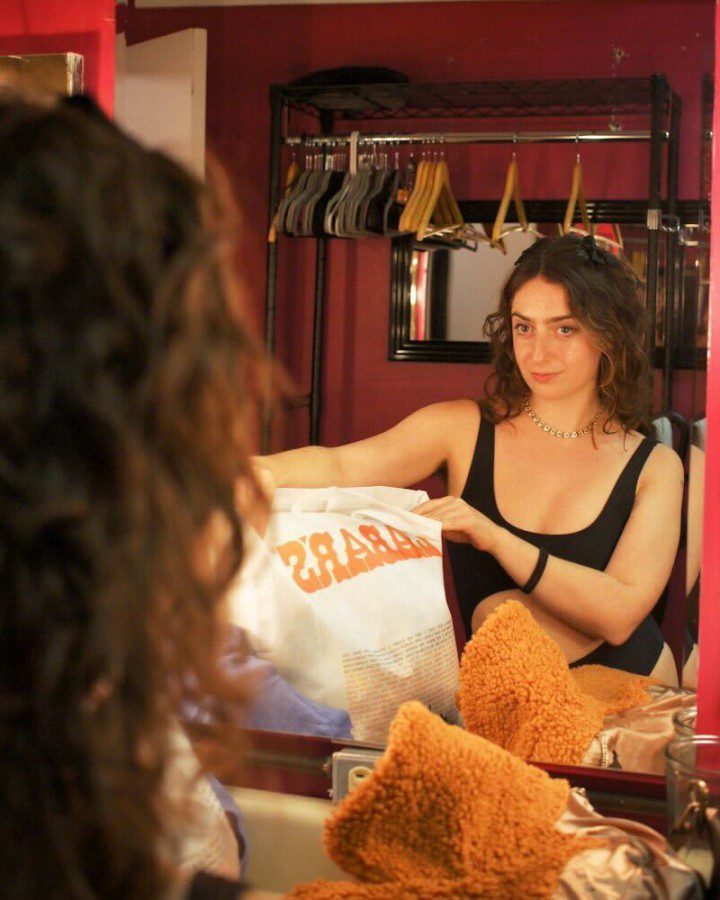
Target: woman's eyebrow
(553, 319)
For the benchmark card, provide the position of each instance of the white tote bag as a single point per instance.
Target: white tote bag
(345, 596)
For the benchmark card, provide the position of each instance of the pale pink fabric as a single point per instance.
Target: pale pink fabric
(636, 863)
(635, 739)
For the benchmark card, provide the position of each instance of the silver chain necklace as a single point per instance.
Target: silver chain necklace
(555, 432)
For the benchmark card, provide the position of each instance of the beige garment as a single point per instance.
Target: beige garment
(635, 864)
(201, 838)
(635, 739)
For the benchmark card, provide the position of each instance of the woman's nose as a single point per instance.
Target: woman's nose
(540, 349)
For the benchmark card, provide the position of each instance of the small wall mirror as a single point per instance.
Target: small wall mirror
(453, 290)
(441, 295)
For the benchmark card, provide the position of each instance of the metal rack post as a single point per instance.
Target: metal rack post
(276, 111)
(658, 96)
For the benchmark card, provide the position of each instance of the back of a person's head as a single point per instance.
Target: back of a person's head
(125, 377)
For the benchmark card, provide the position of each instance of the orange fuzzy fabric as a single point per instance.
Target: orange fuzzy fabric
(618, 690)
(518, 691)
(447, 814)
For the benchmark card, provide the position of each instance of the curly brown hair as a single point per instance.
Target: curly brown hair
(604, 296)
(127, 382)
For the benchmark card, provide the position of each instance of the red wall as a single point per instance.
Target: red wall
(251, 48)
(64, 26)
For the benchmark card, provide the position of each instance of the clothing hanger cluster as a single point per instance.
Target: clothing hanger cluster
(327, 199)
(368, 194)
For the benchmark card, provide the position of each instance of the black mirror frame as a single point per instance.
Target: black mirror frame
(622, 212)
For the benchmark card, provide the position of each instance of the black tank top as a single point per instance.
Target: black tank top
(478, 574)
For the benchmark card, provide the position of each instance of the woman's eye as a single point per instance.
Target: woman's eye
(521, 328)
(566, 329)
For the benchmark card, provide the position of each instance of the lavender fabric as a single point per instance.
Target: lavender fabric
(276, 705)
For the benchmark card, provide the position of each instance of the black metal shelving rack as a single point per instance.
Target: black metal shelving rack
(577, 99)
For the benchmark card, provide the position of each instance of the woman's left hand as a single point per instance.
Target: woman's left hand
(461, 522)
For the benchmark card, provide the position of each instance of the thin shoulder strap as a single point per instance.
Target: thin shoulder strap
(479, 490)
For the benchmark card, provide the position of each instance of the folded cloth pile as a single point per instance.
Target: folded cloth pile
(517, 690)
(448, 814)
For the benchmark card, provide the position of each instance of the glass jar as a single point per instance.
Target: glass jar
(691, 762)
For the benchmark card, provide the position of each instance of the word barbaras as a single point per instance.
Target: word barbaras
(319, 559)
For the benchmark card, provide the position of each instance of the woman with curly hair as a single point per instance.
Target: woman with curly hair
(556, 496)
(127, 385)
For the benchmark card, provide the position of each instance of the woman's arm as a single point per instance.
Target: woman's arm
(573, 643)
(401, 456)
(610, 604)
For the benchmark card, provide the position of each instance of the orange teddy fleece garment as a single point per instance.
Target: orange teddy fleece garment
(518, 691)
(447, 814)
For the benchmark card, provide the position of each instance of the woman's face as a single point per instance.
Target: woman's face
(556, 355)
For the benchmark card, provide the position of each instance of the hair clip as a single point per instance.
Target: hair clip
(597, 256)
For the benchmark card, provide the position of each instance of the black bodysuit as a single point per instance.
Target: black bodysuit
(477, 574)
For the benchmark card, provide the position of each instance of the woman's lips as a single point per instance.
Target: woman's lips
(543, 376)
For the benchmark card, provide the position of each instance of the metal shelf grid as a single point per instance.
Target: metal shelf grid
(483, 99)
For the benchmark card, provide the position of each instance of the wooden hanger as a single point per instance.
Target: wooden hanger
(577, 198)
(511, 193)
(440, 205)
(422, 187)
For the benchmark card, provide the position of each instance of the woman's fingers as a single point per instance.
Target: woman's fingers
(459, 521)
(431, 506)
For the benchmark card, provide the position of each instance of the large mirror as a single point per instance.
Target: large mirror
(437, 313)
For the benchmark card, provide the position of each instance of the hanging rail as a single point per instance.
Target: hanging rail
(475, 137)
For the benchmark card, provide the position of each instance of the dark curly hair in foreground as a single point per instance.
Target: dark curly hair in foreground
(603, 295)
(127, 383)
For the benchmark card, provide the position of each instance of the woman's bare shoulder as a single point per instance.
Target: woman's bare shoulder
(665, 462)
(662, 468)
(461, 412)
(455, 418)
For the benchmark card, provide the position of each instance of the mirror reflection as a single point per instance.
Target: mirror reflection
(453, 291)
(345, 676)
(561, 517)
